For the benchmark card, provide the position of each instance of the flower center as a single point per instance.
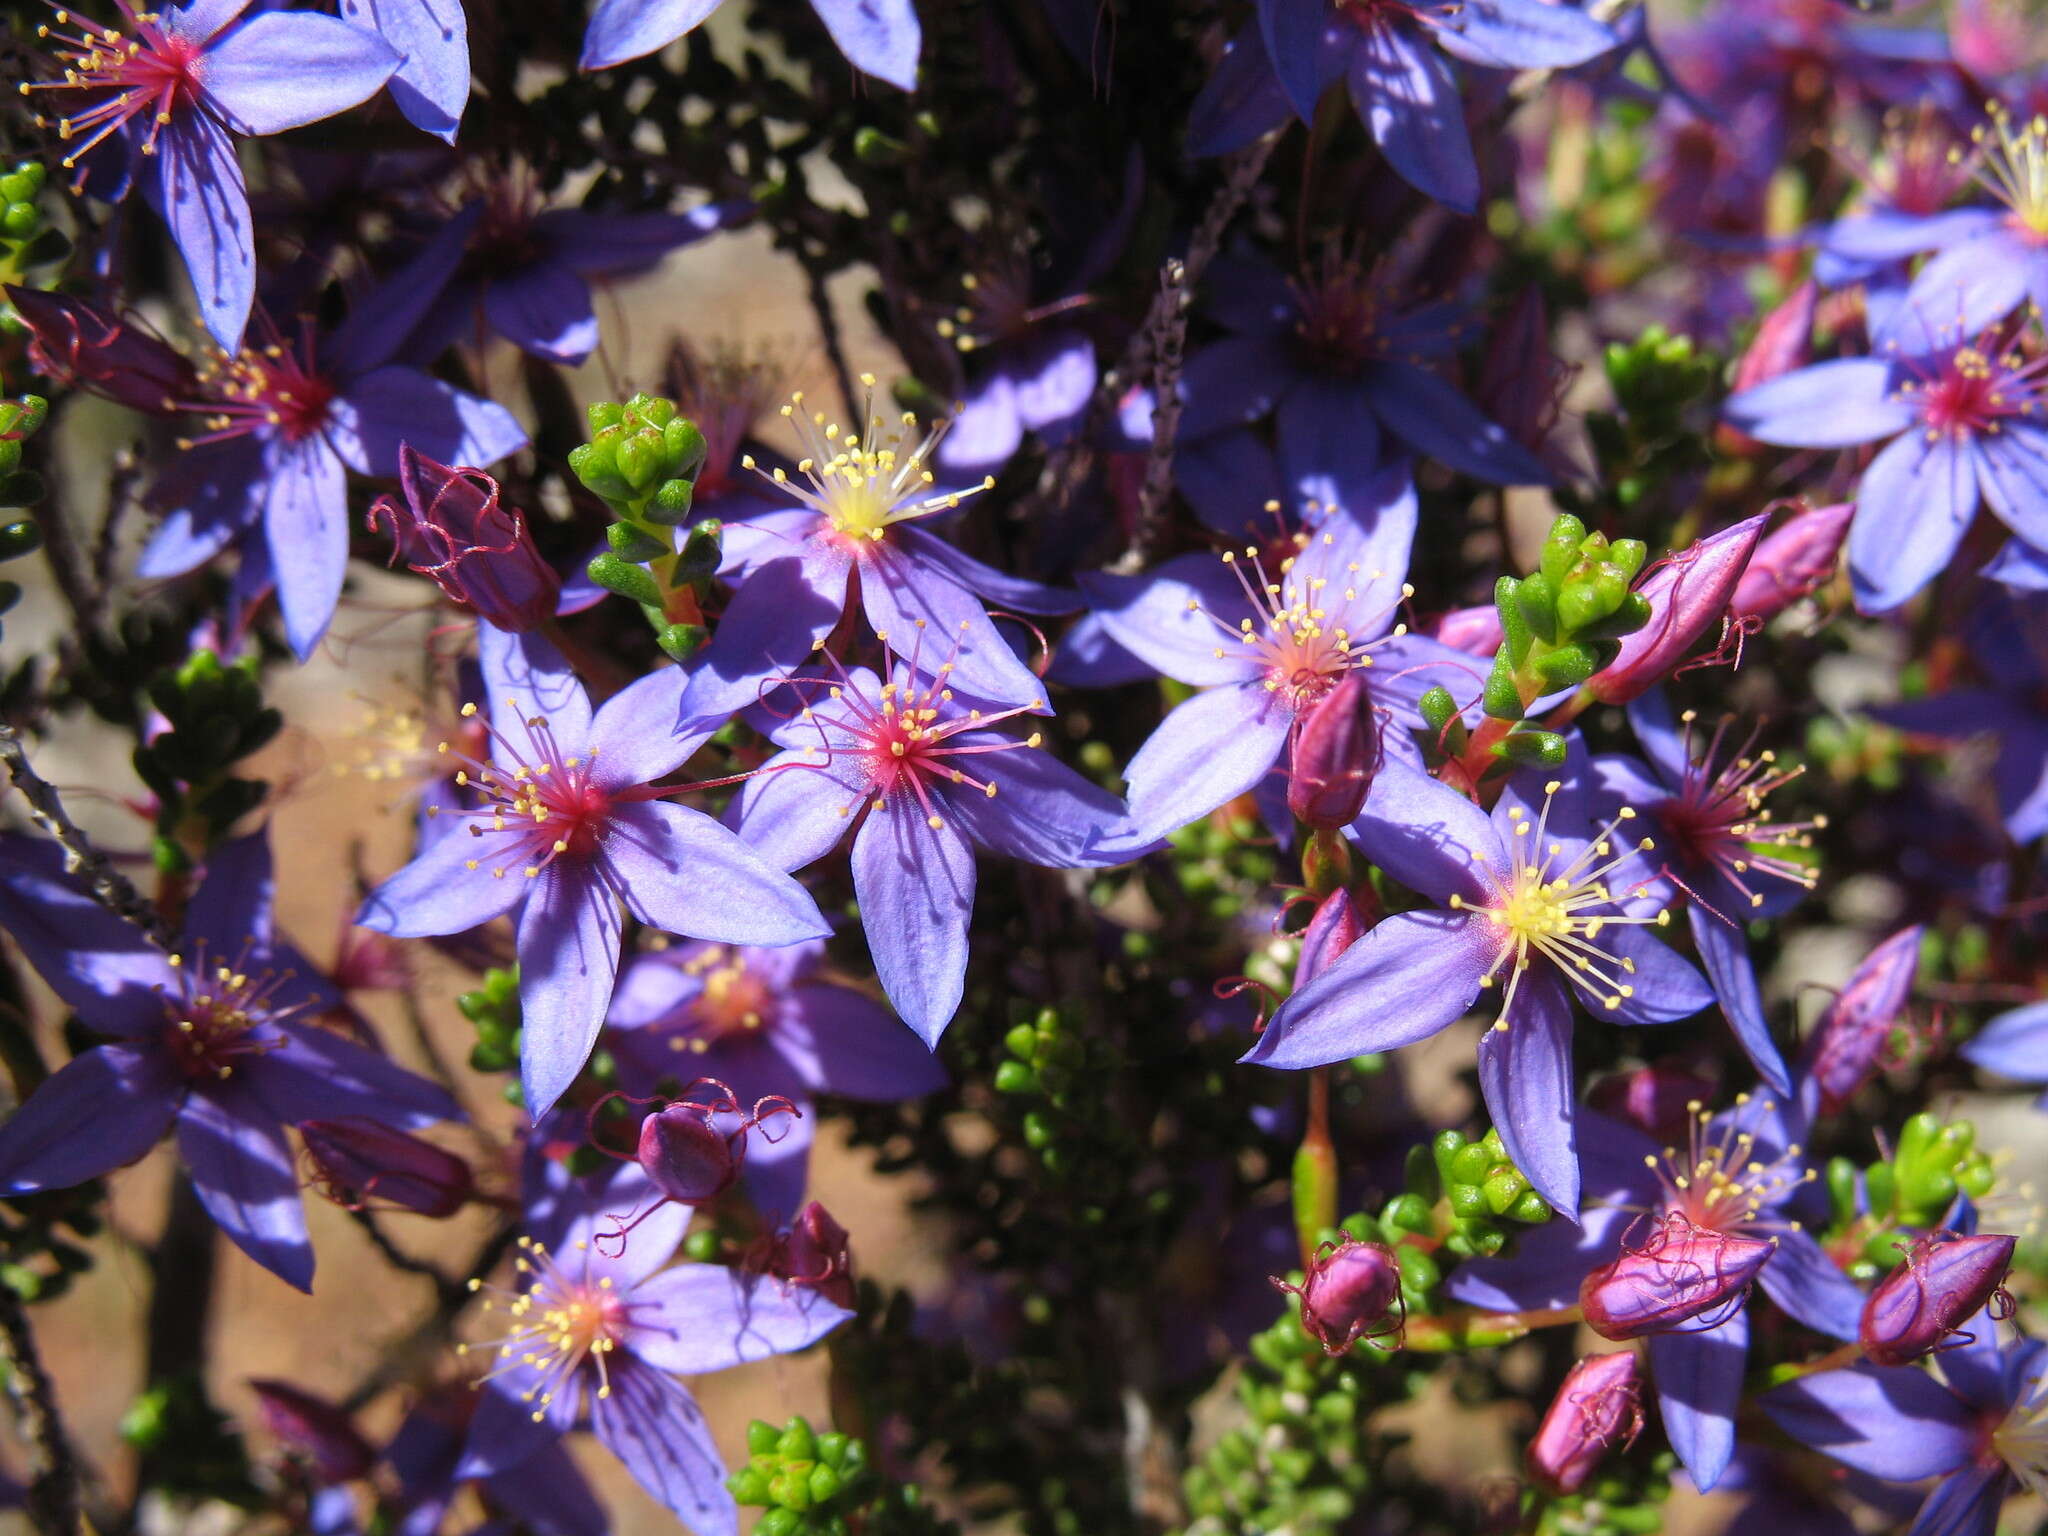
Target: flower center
(273, 388)
(734, 1002)
(1554, 908)
(545, 798)
(1717, 819)
(156, 72)
(1721, 1182)
(211, 1014)
(1342, 302)
(1300, 628)
(2013, 167)
(862, 482)
(558, 1324)
(2021, 1440)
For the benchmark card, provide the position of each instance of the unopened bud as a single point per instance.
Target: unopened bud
(356, 1161)
(1348, 1292)
(1475, 631)
(85, 346)
(453, 527)
(1688, 595)
(1336, 753)
(814, 1251)
(316, 1429)
(687, 1155)
(1793, 561)
(1339, 923)
(1783, 342)
(1856, 1033)
(1599, 1404)
(1945, 1280)
(1683, 1271)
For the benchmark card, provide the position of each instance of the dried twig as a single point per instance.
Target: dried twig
(107, 885)
(53, 1491)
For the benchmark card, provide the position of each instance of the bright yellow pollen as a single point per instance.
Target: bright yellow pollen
(2014, 166)
(863, 482)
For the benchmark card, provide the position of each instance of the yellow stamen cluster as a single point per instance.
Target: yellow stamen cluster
(556, 1324)
(1721, 1182)
(2014, 165)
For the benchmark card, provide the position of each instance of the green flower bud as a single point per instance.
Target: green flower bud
(626, 579)
(1536, 600)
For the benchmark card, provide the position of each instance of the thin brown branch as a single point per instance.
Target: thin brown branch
(53, 1489)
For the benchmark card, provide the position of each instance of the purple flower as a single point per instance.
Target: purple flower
(1265, 645)
(1963, 420)
(205, 1043)
(1856, 1034)
(878, 37)
(597, 1332)
(569, 827)
(1982, 1429)
(1338, 364)
(1993, 259)
(923, 779)
(544, 1490)
(1736, 1178)
(861, 493)
(284, 426)
(2014, 1045)
(173, 95)
(1538, 905)
(1405, 94)
(767, 1022)
(431, 39)
(1720, 849)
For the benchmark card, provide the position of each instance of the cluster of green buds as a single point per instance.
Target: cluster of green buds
(1300, 1461)
(493, 1010)
(1051, 1072)
(216, 717)
(1878, 1210)
(1221, 865)
(27, 238)
(1656, 434)
(1560, 624)
(19, 421)
(1623, 1499)
(643, 460)
(811, 1484)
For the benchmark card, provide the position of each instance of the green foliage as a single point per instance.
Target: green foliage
(215, 717)
(812, 1484)
(1622, 1499)
(1878, 1209)
(1657, 435)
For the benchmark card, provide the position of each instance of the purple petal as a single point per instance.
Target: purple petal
(1699, 1387)
(654, 1427)
(769, 629)
(1965, 1503)
(548, 1490)
(987, 426)
(627, 29)
(1206, 753)
(1248, 294)
(231, 909)
(698, 1318)
(1525, 1074)
(202, 18)
(1916, 500)
(2020, 777)
(1181, 620)
(1406, 979)
(1960, 712)
(1405, 95)
(799, 806)
(198, 190)
(544, 309)
(1330, 449)
(96, 963)
(1236, 380)
(305, 524)
(394, 406)
(1830, 405)
(568, 957)
(878, 37)
(1055, 377)
(1013, 593)
(1428, 836)
(1438, 422)
(903, 597)
(1309, 44)
(101, 1111)
(440, 892)
(2014, 464)
(1042, 812)
(524, 676)
(1523, 34)
(1665, 985)
(777, 1170)
(642, 732)
(431, 38)
(682, 872)
(1546, 1265)
(1724, 951)
(1242, 101)
(915, 883)
(1967, 287)
(846, 1044)
(1887, 234)
(243, 1173)
(2014, 1045)
(604, 244)
(506, 1430)
(382, 320)
(1899, 1424)
(212, 495)
(1228, 478)
(320, 1076)
(284, 70)
(1805, 1282)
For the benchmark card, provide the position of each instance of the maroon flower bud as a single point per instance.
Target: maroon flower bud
(1858, 1033)
(1475, 631)
(1689, 594)
(1946, 1280)
(85, 346)
(688, 1155)
(1522, 382)
(1782, 342)
(1600, 1402)
(1348, 1292)
(814, 1251)
(1793, 561)
(451, 526)
(1336, 753)
(356, 1161)
(316, 1429)
(1683, 1271)
(1337, 925)
(1657, 1100)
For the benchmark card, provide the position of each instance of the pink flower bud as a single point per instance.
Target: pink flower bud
(1657, 1100)
(356, 1161)
(86, 347)
(451, 526)
(1681, 1272)
(1857, 1033)
(1600, 1402)
(687, 1154)
(1475, 631)
(316, 1429)
(1793, 561)
(1783, 340)
(1348, 1292)
(814, 1251)
(1337, 925)
(1336, 753)
(1946, 1280)
(1689, 594)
